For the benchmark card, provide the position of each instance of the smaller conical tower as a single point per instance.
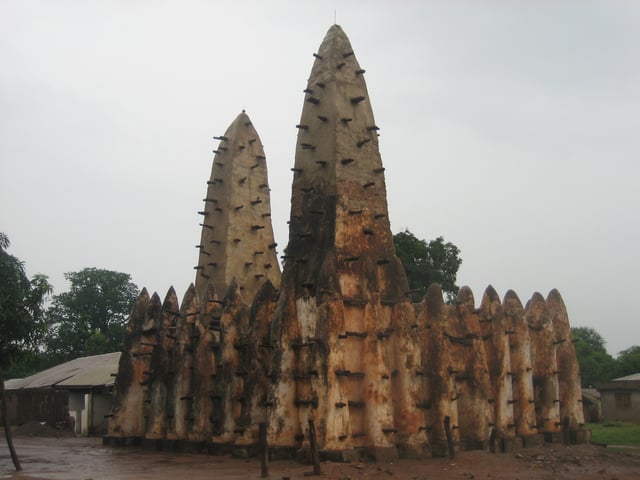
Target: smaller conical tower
(237, 236)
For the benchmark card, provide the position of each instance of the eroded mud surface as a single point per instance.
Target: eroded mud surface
(86, 458)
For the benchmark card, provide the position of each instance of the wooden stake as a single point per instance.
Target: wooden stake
(447, 432)
(315, 458)
(492, 440)
(264, 449)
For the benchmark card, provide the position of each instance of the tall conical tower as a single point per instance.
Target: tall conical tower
(237, 236)
(344, 353)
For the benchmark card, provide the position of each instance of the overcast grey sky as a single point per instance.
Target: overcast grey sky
(510, 128)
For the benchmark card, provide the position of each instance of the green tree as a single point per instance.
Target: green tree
(596, 365)
(427, 263)
(590, 337)
(628, 361)
(21, 320)
(90, 318)
(22, 323)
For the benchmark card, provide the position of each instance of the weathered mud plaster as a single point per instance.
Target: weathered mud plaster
(160, 369)
(345, 354)
(439, 384)
(180, 399)
(521, 368)
(205, 342)
(495, 333)
(545, 366)
(237, 236)
(254, 362)
(571, 412)
(127, 421)
(469, 369)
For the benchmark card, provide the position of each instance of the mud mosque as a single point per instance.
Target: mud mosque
(335, 337)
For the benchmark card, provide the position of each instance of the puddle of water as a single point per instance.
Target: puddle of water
(86, 458)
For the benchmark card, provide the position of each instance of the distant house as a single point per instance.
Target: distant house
(621, 399)
(82, 387)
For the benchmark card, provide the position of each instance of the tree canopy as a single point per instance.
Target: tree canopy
(22, 322)
(628, 361)
(596, 365)
(590, 337)
(428, 262)
(90, 318)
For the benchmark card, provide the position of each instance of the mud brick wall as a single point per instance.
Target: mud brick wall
(335, 339)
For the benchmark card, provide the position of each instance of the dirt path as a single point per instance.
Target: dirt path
(86, 458)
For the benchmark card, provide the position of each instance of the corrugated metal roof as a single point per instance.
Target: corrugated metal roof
(12, 384)
(94, 371)
(628, 378)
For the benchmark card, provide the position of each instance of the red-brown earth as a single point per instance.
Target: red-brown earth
(71, 458)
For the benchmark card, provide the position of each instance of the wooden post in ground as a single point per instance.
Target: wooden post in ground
(566, 434)
(447, 431)
(315, 458)
(7, 427)
(264, 449)
(492, 440)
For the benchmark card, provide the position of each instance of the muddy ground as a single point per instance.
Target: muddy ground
(72, 458)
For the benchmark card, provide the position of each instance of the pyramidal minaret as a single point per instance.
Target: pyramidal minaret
(237, 236)
(345, 355)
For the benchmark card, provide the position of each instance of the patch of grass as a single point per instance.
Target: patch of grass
(615, 433)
